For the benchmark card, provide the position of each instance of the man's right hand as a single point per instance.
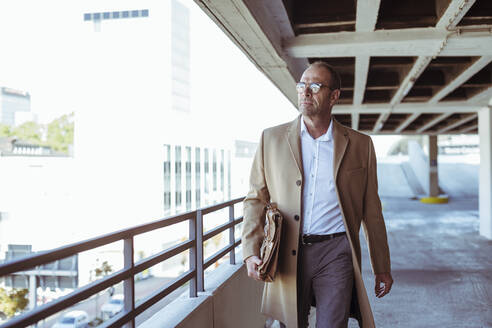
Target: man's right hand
(252, 263)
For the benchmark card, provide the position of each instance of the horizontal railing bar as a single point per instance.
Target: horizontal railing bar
(220, 206)
(44, 257)
(215, 231)
(150, 300)
(211, 260)
(162, 256)
(44, 311)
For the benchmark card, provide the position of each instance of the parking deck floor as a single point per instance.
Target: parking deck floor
(442, 268)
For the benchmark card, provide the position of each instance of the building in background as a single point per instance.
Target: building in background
(14, 102)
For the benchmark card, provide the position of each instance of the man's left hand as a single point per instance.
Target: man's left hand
(386, 280)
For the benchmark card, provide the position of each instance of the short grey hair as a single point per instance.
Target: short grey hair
(335, 80)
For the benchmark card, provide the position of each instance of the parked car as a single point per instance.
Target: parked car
(113, 306)
(73, 319)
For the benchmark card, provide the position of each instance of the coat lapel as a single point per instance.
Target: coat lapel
(294, 139)
(340, 141)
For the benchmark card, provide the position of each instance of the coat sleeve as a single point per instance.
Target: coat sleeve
(254, 206)
(373, 221)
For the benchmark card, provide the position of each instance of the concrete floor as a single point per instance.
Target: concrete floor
(442, 268)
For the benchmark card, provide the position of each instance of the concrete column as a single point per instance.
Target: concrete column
(433, 178)
(32, 291)
(485, 180)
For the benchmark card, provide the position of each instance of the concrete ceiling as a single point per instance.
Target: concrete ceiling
(407, 66)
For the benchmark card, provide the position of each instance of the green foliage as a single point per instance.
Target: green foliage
(13, 301)
(57, 134)
(104, 269)
(5, 130)
(29, 131)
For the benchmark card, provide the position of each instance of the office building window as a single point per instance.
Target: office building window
(188, 178)
(177, 173)
(222, 173)
(197, 177)
(167, 178)
(229, 183)
(206, 171)
(214, 168)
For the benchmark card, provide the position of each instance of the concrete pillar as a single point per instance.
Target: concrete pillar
(433, 177)
(485, 180)
(32, 291)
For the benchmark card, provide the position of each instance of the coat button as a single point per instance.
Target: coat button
(298, 182)
(294, 252)
(296, 217)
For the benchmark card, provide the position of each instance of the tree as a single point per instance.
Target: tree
(29, 131)
(5, 130)
(59, 133)
(13, 301)
(102, 271)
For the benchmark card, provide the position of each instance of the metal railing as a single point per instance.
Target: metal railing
(195, 274)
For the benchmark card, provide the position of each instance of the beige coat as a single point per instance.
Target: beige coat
(277, 176)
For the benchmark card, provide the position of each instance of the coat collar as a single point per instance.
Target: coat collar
(340, 141)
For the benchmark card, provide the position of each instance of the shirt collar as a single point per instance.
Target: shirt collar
(325, 137)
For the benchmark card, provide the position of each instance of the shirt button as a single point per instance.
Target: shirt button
(294, 252)
(296, 217)
(298, 182)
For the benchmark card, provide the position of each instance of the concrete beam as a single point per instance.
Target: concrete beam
(455, 11)
(404, 42)
(462, 78)
(367, 16)
(361, 70)
(407, 122)
(468, 128)
(355, 121)
(482, 98)
(380, 122)
(434, 122)
(410, 108)
(451, 16)
(409, 80)
(457, 123)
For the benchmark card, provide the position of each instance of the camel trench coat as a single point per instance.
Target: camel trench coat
(277, 176)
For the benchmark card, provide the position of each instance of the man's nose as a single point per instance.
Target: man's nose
(307, 92)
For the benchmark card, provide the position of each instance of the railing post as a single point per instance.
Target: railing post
(232, 254)
(129, 283)
(192, 258)
(199, 251)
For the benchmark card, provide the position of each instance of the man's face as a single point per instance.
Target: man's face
(313, 104)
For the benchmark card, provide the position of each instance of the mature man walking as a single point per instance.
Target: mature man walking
(323, 178)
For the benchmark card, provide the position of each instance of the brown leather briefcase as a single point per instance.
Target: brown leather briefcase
(271, 243)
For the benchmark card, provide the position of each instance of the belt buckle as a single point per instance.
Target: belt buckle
(303, 241)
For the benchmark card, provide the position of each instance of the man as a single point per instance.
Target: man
(322, 176)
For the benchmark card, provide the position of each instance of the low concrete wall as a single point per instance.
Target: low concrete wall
(231, 299)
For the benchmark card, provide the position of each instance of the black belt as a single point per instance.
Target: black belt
(308, 239)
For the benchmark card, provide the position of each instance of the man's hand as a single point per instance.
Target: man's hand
(252, 263)
(387, 281)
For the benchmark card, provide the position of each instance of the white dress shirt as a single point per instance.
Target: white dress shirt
(321, 212)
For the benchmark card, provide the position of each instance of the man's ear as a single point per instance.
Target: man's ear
(334, 96)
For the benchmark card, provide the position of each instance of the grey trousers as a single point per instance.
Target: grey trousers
(325, 273)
